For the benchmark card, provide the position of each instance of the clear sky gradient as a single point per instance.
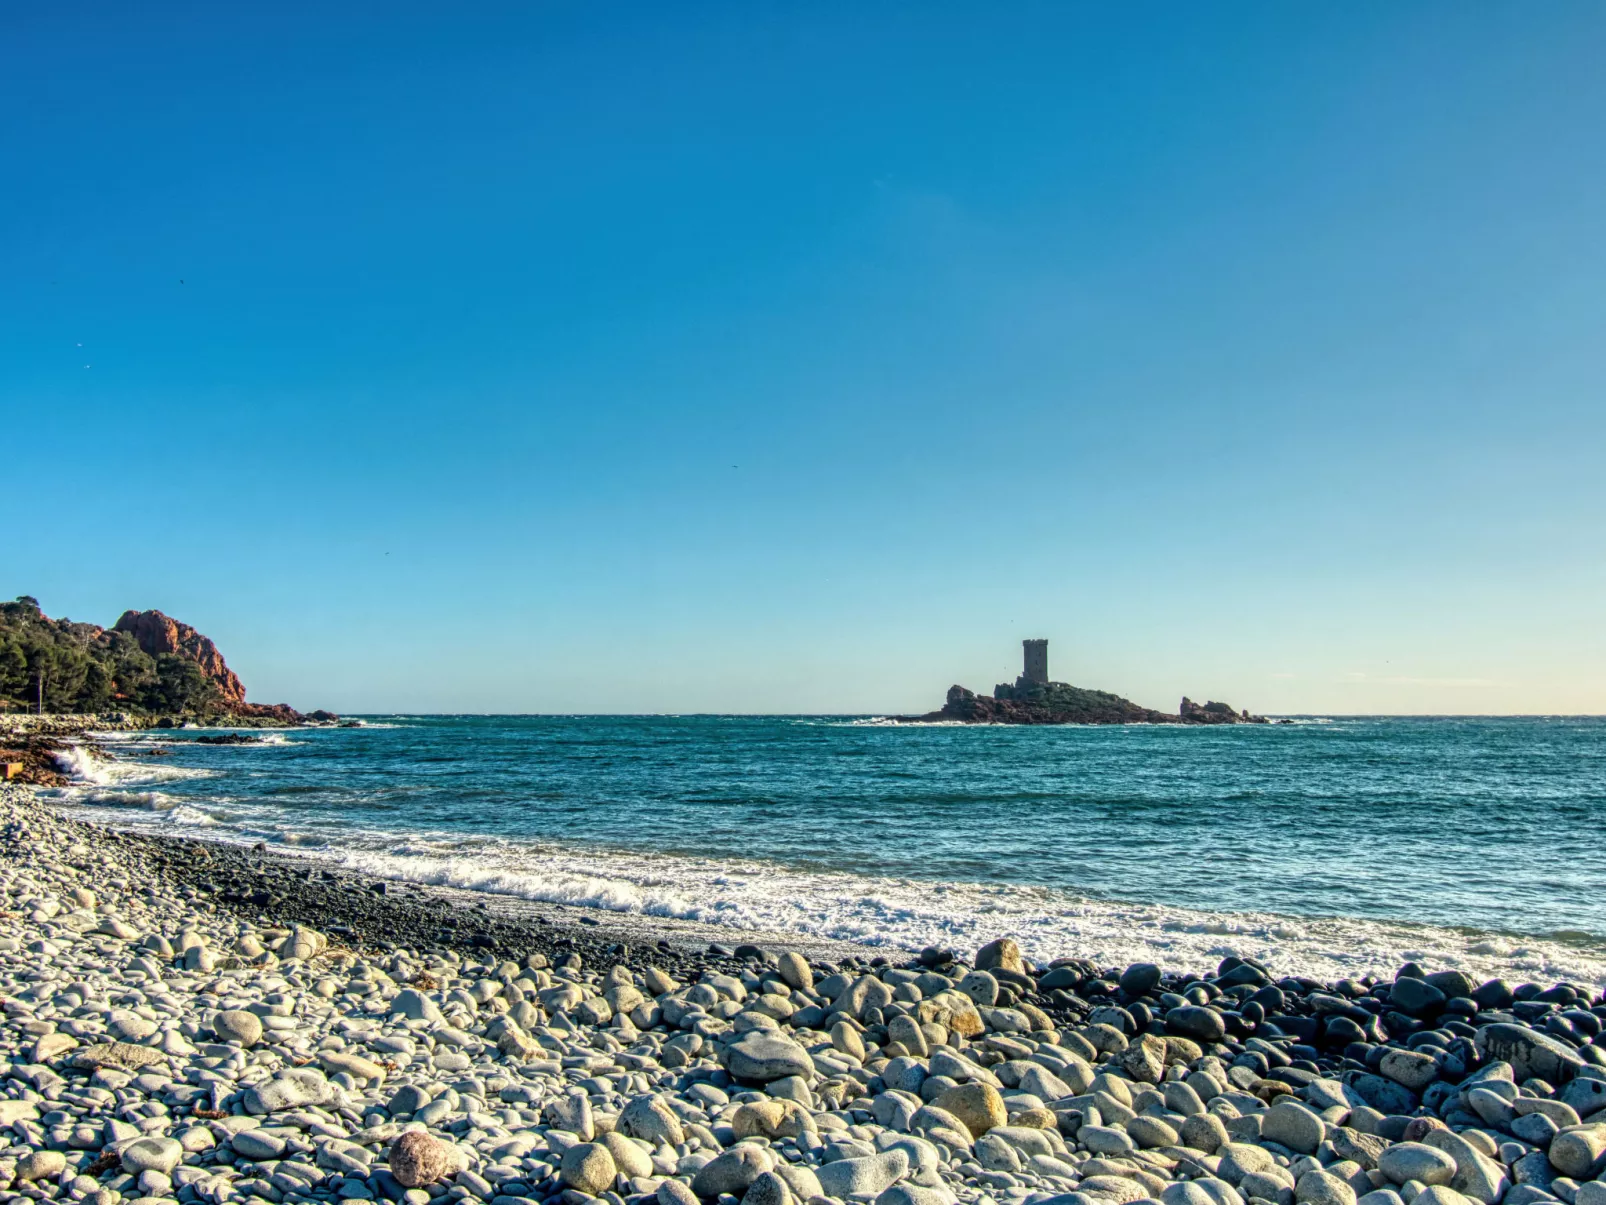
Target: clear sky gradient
(805, 357)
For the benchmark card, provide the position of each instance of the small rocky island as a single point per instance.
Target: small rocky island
(1033, 699)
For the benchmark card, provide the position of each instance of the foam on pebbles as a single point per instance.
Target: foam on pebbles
(167, 1044)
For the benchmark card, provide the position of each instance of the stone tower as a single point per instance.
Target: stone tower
(1036, 670)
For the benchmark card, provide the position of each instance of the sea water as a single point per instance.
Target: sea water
(1328, 847)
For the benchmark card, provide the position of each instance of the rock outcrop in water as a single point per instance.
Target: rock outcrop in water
(1032, 699)
(1062, 703)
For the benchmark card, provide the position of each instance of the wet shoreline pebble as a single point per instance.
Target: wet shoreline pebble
(204, 1024)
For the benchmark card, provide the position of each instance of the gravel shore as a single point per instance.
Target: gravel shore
(205, 1023)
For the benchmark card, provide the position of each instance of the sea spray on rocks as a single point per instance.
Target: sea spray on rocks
(181, 1027)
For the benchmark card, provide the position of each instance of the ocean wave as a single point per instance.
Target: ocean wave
(910, 914)
(889, 912)
(82, 766)
(889, 721)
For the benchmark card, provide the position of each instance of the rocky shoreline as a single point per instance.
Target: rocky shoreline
(206, 1024)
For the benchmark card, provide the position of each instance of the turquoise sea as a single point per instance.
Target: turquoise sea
(1322, 844)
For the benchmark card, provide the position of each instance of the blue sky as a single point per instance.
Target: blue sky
(761, 357)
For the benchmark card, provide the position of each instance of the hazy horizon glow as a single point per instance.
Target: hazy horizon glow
(736, 358)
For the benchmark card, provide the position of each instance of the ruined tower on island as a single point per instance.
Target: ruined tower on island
(1036, 671)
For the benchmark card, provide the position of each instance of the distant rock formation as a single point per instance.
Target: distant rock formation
(1215, 713)
(1033, 699)
(156, 633)
(1061, 703)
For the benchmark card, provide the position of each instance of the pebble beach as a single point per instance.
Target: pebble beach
(199, 1022)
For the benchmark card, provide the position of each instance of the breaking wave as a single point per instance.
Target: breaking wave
(82, 766)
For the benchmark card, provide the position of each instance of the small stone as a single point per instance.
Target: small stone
(41, 1165)
(1239, 1159)
(761, 1055)
(981, 987)
(13, 1111)
(1294, 1126)
(1409, 1068)
(915, 1194)
(587, 1167)
(649, 1118)
(153, 1154)
(732, 1171)
(1105, 1140)
(676, 1192)
(1416, 997)
(290, 1088)
(978, 1106)
(257, 1144)
(768, 1189)
(1323, 1188)
(846, 1039)
(237, 1025)
(1204, 1132)
(1406, 1161)
(628, 1158)
(418, 1158)
(122, 1055)
(869, 1175)
(407, 1099)
(1197, 1022)
(1002, 954)
(415, 1006)
(129, 1027)
(1579, 1153)
(1140, 978)
(795, 971)
(1150, 1132)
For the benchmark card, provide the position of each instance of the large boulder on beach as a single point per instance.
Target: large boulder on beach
(1532, 1055)
(762, 1055)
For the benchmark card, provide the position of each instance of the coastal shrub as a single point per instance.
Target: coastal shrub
(79, 667)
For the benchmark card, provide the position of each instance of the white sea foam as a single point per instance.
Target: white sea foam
(903, 913)
(910, 913)
(82, 766)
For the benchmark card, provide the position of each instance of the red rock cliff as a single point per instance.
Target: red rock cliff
(156, 633)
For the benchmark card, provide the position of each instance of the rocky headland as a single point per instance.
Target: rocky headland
(201, 1024)
(61, 679)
